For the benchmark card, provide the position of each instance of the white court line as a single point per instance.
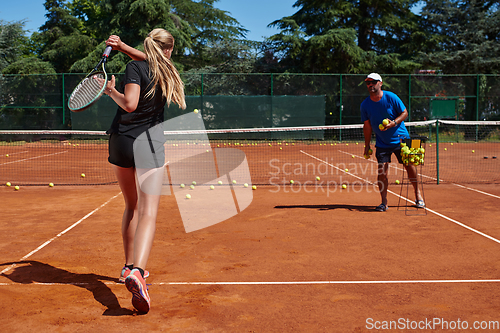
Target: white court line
(33, 158)
(270, 283)
(59, 235)
(433, 178)
(397, 195)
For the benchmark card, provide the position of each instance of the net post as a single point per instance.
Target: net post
(437, 151)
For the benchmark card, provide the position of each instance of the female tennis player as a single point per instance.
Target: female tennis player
(150, 82)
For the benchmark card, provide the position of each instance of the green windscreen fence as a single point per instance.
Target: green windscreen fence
(223, 112)
(257, 100)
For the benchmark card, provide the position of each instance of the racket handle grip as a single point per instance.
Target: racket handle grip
(107, 51)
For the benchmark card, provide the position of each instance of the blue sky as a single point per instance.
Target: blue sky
(253, 15)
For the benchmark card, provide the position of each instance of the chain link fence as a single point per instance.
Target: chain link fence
(39, 102)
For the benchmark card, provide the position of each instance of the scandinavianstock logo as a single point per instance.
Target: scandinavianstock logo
(208, 184)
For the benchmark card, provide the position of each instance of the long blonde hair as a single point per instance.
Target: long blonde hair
(162, 70)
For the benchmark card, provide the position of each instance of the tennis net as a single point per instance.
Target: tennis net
(458, 152)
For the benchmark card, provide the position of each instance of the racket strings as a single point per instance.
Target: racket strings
(87, 91)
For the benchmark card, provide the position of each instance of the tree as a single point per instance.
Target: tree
(61, 40)
(328, 36)
(12, 41)
(462, 36)
(194, 25)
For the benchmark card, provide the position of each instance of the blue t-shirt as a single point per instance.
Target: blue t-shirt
(390, 106)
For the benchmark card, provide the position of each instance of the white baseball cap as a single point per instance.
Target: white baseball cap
(373, 76)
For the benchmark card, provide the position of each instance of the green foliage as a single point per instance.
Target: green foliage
(463, 36)
(342, 36)
(29, 65)
(194, 25)
(12, 41)
(322, 36)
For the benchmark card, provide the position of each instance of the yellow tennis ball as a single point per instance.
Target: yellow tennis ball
(51, 184)
(195, 111)
(192, 187)
(16, 188)
(219, 182)
(445, 149)
(370, 151)
(473, 151)
(397, 182)
(6, 155)
(344, 186)
(385, 122)
(182, 185)
(254, 187)
(8, 184)
(188, 196)
(212, 187)
(352, 156)
(381, 127)
(194, 183)
(346, 170)
(234, 181)
(317, 178)
(291, 182)
(82, 175)
(245, 185)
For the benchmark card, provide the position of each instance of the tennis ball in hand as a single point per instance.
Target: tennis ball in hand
(385, 122)
(381, 127)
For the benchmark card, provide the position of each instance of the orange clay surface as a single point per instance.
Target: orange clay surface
(290, 262)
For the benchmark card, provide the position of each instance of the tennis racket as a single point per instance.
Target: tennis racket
(90, 89)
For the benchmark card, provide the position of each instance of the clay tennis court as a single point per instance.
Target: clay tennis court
(299, 258)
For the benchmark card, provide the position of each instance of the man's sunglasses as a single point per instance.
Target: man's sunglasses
(369, 83)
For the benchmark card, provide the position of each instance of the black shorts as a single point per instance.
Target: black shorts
(121, 150)
(384, 154)
(150, 151)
